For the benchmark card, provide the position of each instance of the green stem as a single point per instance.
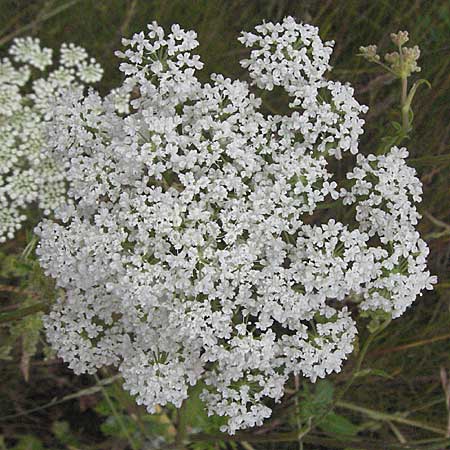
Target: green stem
(358, 365)
(131, 407)
(182, 423)
(414, 344)
(433, 160)
(21, 313)
(404, 105)
(356, 442)
(5, 39)
(75, 395)
(116, 415)
(385, 67)
(385, 417)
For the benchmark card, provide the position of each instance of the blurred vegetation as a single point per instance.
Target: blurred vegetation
(400, 393)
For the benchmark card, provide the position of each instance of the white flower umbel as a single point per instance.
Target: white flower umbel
(184, 254)
(28, 91)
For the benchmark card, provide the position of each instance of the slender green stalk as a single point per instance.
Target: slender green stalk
(78, 394)
(397, 433)
(4, 40)
(21, 313)
(182, 423)
(358, 365)
(315, 441)
(124, 401)
(420, 343)
(433, 160)
(404, 105)
(386, 417)
(117, 415)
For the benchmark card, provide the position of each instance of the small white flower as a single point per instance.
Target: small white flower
(72, 55)
(89, 72)
(28, 50)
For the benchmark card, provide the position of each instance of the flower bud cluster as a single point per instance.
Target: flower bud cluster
(28, 176)
(185, 254)
(401, 63)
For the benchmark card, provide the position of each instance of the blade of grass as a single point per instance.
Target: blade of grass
(429, 160)
(116, 414)
(21, 313)
(4, 40)
(401, 348)
(386, 417)
(81, 393)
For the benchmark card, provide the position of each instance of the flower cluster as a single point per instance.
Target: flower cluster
(294, 57)
(188, 253)
(28, 175)
(384, 189)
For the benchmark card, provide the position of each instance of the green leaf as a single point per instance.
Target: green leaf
(397, 126)
(213, 445)
(378, 320)
(5, 350)
(337, 424)
(316, 403)
(112, 427)
(29, 249)
(195, 409)
(413, 90)
(197, 415)
(62, 431)
(324, 393)
(29, 442)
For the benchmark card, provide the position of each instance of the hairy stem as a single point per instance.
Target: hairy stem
(404, 104)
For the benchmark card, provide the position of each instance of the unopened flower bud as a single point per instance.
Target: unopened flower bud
(400, 38)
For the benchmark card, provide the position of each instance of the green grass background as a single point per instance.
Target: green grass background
(404, 406)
